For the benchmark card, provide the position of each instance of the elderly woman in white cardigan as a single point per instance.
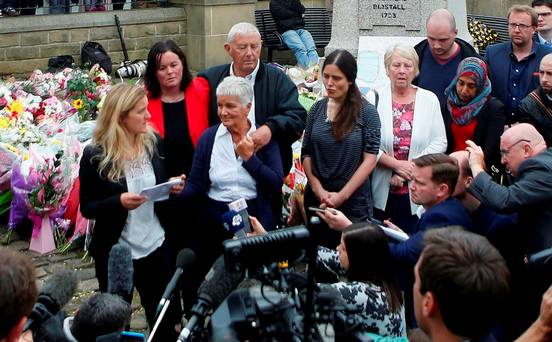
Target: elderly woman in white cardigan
(411, 126)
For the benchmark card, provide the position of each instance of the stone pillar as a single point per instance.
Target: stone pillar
(458, 8)
(208, 23)
(355, 18)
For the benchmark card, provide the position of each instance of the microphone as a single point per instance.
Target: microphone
(218, 284)
(240, 206)
(254, 251)
(233, 223)
(120, 271)
(184, 260)
(56, 292)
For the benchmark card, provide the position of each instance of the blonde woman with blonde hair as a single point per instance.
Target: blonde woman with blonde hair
(124, 158)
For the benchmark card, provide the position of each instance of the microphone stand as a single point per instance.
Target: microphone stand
(159, 319)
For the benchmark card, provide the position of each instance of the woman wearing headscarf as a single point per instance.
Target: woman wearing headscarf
(471, 113)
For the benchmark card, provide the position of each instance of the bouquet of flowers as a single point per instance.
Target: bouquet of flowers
(43, 120)
(482, 34)
(86, 89)
(44, 199)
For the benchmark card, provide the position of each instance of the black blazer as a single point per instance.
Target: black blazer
(100, 199)
(489, 128)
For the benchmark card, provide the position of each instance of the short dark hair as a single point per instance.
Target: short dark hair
(444, 169)
(366, 241)
(101, 314)
(345, 119)
(547, 3)
(154, 55)
(18, 291)
(468, 277)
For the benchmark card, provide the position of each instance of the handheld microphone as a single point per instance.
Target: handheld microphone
(255, 251)
(184, 260)
(218, 284)
(240, 206)
(120, 271)
(233, 223)
(56, 292)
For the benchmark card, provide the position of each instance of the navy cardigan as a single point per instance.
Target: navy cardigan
(265, 166)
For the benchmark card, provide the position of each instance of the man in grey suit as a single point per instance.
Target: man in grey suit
(523, 150)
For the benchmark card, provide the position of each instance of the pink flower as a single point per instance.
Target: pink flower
(40, 195)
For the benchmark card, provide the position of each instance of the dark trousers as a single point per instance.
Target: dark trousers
(151, 275)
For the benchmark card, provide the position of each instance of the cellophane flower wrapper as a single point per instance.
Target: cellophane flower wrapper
(7, 158)
(20, 187)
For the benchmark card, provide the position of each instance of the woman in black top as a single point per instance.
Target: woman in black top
(178, 105)
(340, 145)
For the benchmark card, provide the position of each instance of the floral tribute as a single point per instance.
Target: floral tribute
(45, 122)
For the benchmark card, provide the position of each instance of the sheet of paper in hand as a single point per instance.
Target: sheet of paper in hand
(160, 192)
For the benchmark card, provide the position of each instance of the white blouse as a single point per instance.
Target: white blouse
(142, 233)
(229, 179)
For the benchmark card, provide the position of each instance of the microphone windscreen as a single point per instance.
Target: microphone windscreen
(233, 221)
(185, 258)
(60, 287)
(120, 271)
(219, 283)
(257, 250)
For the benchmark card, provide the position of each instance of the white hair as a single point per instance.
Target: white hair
(236, 86)
(241, 28)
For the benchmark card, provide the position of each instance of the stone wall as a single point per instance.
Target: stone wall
(27, 42)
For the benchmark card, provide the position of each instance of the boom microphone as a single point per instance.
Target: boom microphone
(258, 250)
(56, 292)
(184, 260)
(120, 271)
(218, 284)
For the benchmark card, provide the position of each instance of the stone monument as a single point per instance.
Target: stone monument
(355, 18)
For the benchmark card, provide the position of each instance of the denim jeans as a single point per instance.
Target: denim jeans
(301, 43)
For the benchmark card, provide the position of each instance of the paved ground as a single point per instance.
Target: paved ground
(84, 267)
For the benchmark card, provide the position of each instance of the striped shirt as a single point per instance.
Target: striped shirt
(338, 161)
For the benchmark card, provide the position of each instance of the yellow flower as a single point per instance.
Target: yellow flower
(10, 148)
(16, 107)
(77, 104)
(4, 122)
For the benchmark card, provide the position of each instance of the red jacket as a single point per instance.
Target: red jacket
(197, 109)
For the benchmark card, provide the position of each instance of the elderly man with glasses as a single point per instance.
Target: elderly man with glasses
(514, 64)
(523, 151)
